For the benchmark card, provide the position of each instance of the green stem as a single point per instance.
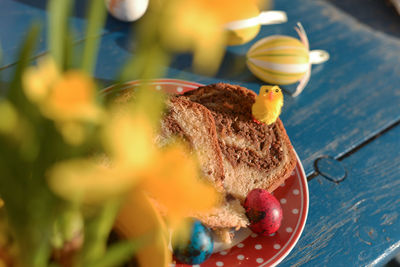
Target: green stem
(96, 18)
(97, 230)
(58, 11)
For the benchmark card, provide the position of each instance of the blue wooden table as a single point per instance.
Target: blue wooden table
(345, 126)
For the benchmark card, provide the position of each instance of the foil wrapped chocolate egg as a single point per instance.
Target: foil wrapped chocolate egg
(198, 248)
(263, 211)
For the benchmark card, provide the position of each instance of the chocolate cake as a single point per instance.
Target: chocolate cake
(254, 155)
(236, 153)
(194, 124)
(216, 120)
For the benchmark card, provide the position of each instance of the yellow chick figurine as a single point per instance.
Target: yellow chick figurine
(268, 104)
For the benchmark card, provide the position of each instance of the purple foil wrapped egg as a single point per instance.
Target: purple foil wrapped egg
(263, 211)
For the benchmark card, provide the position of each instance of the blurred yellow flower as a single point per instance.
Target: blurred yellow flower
(72, 131)
(170, 175)
(199, 26)
(129, 140)
(61, 96)
(72, 97)
(90, 181)
(67, 98)
(130, 150)
(138, 218)
(38, 80)
(175, 183)
(8, 118)
(1, 203)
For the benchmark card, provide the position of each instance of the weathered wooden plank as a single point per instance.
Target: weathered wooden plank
(355, 222)
(16, 17)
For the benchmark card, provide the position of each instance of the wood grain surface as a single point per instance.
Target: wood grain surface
(355, 222)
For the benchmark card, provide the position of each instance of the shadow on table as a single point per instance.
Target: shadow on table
(233, 67)
(79, 11)
(379, 15)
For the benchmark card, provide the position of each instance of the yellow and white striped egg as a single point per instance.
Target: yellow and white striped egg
(278, 59)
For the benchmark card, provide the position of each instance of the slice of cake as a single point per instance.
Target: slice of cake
(194, 124)
(236, 153)
(254, 155)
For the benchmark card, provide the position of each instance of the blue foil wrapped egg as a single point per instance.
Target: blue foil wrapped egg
(198, 248)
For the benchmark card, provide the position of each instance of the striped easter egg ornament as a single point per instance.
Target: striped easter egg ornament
(282, 60)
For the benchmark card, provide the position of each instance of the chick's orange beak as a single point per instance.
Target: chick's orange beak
(271, 96)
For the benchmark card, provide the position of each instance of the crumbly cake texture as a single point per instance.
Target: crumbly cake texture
(194, 124)
(229, 214)
(254, 155)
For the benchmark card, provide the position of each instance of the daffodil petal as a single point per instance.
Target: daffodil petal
(138, 218)
(175, 183)
(130, 140)
(88, 181)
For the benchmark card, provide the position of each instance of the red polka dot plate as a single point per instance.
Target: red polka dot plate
(251, 249)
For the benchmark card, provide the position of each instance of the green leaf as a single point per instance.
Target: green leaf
(118, 254)
(71, 57)
(95, 22)
(58, 11)
(15, 92)
(97, 230)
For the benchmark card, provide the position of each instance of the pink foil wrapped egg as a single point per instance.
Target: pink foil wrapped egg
(263, 211)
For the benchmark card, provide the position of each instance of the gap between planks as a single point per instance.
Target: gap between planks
(359, 146)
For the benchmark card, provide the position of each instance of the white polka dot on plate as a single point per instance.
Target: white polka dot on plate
(158, 87)
(295, 211)
(283, 200)
(253, 235)
(292, 173)
(180, 90)
(259, 260)
(240, 245)
(277, 246)
(282, 184)
(272, 234)
(240, 257)
(296, 191)
(172, 265)
(196, 265)
(223, 253)
(289, 229)
(219, 263)
(258, 246)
